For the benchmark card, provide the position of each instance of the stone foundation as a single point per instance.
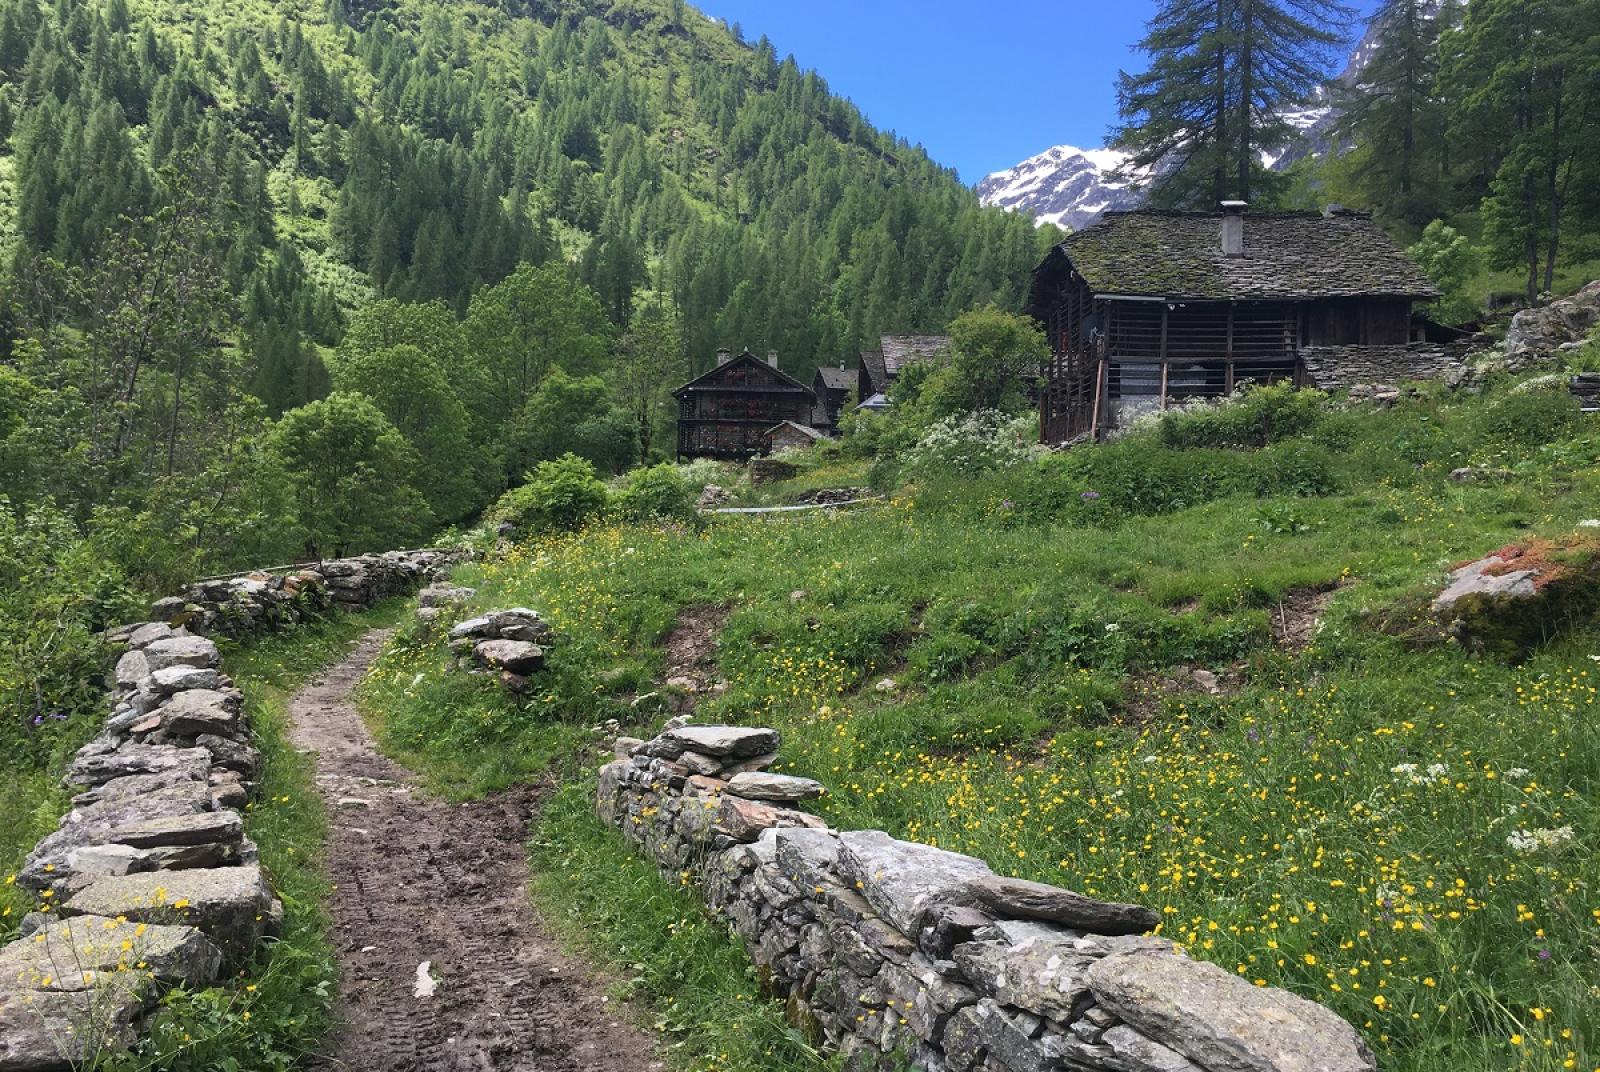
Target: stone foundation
(885, 948)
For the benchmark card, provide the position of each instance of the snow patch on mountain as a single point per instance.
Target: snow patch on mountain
(1064, 185)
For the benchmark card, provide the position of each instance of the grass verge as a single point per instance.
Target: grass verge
(701, 990)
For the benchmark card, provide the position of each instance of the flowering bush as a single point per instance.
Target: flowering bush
(974, 444)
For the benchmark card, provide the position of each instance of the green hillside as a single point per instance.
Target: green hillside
(420, 150)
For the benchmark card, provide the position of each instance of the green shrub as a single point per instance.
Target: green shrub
(659, 493)
(1256, 417)
(1137, 476)
(560, 494)
(1529, 419)
(1293, 468)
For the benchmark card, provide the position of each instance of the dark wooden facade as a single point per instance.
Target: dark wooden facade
(832, 387)
(727, 412)
(1146, 309)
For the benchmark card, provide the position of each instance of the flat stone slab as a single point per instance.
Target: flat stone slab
(1222, 1022)
(203, 829)
(1047, 979)
(96, 769)
(171, 679)
(133, 786)
(132, 668)
(230, 905)
(515, 656)
(756, 785)
(59, 1030)
(200, 710)
(903, 880)
(734, 742)
(182, 651)
(1021, 899)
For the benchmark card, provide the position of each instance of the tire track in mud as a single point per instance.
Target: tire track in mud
(422, 880)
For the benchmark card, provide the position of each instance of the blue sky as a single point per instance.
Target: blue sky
(980, 85)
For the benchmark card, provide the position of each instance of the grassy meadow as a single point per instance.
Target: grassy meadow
(1004, 666)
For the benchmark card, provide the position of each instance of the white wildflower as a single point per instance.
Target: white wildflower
(1518, 773)
(1589, 523)
(1531, 841)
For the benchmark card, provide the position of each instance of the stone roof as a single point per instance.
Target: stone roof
(902, 350)
(837, 379)
(872, 364)
(803, 429)
(1287, 256)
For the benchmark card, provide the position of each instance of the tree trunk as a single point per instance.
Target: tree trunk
(1246, 91)
(1553, 184)
(1220, 178)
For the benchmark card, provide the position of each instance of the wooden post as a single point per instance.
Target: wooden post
(1163, 386)
(1099, 384)
(1161, 354)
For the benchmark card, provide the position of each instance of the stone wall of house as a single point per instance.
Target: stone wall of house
(149, 882)
(1335, 368)
(886, 949)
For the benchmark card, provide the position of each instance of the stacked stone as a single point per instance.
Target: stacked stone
(509, 644)
(263, 602)
(149, 880)
(885, 947)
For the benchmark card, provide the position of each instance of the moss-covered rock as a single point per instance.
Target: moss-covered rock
(1520, 596)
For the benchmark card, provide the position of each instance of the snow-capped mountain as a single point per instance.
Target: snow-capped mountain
(1065, 185)
(1071, 187)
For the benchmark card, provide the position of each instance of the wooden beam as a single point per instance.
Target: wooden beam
(1163, 386)
(1094, 416)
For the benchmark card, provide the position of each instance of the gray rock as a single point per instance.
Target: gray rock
(198, 711)
(1222, 1022)
(229, 904)
(1535, 334)
(171, 679)
(1021, 899)
(82, 952)
(99, 860)
(1047, 979)
(134, 786)
(231, 755)
(142, 636)
(472, 627)
(56, 1030)
(514, 656)
(779, 787)
(182, 651)
(736, 742)
(96, 768)
(807, 857)
(131, 669)
(699, 763)
(902, 879)
(1475, 580)
(1136, 1053)
(201, 829)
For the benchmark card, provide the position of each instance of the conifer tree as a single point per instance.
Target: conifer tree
(1200, 118)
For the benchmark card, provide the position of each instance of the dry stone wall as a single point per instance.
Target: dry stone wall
(891, 950)
(150, 881)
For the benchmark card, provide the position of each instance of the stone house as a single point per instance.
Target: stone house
(881, 367)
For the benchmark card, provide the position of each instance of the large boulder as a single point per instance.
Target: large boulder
(1224, 1023)
(1509, 602)
(512, 656)
(1537, 334)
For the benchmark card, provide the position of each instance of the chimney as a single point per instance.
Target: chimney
(1333, 210)
(723, 356)
(1233, 228)
(772, 358)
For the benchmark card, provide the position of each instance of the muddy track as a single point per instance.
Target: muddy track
(422, 880)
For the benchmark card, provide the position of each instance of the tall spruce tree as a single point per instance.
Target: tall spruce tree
(1221, 73)
(1394, 114)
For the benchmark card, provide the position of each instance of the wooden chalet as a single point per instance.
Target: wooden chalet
(832, 387)
(1146, 307)
(881, 367)
(728, 412)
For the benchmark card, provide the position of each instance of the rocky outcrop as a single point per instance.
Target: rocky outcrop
(150, 881)
(885, 948)
(1537, 335)
(1514, 599)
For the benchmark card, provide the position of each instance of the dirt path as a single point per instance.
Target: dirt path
(421, 880)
